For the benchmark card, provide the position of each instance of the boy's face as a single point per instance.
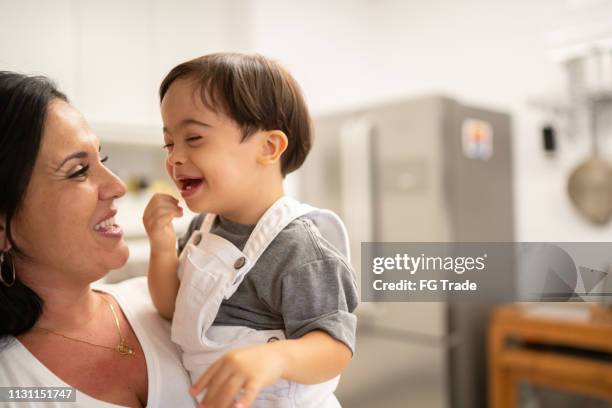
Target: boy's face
(212, 167)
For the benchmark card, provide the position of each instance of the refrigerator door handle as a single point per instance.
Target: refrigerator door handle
(357, 194)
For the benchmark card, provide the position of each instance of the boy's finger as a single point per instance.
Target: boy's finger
(249, 392)
(163, 204)
(216, 384)
(173, 211)
(164, 196)
(161, 221)
(166, 213)
(226, 395)
(151, 208)
(202, 382)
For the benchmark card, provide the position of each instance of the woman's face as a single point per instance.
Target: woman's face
(66, 222)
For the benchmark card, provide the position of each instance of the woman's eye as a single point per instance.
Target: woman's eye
(167, 146)
(81, 170)
(193, 138)
(104, 159)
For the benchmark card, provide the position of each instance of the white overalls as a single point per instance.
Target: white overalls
(210, 270)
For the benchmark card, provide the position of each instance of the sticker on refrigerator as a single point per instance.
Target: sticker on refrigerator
(477, 139)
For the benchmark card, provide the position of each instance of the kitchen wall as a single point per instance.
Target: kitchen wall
(494, 53)
(110, 57)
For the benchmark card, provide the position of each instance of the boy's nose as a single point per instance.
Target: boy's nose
(176, 157)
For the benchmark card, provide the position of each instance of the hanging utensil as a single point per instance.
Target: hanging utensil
(590, 184)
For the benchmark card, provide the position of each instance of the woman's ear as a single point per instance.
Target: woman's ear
(5, 245)
(273, 145)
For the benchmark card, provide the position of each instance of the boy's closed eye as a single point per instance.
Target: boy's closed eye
(190, 139)
(168, 143)
(193, 138)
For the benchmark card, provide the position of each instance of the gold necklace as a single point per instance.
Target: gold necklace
(123, 347)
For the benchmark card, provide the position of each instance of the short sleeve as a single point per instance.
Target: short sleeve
(320, 295)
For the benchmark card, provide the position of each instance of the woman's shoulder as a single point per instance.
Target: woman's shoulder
(135, 301)
(14, 361)
(135, 287)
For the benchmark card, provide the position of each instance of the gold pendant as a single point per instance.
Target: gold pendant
(124, 348)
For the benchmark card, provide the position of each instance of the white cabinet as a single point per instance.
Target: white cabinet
(110, 57)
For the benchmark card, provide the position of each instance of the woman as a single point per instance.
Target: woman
(57, 236)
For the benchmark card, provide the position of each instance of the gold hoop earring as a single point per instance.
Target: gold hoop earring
(12, 269)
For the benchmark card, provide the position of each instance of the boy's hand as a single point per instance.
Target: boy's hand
(157, 219)
(234, 380)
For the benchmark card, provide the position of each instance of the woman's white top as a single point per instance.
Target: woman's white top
(168, 382)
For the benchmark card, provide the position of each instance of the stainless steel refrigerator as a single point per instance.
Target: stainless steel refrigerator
(423, 170)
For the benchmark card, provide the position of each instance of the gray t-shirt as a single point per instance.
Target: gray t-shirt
(299, 284)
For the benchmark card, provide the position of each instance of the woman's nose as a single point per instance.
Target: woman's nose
(113, 187)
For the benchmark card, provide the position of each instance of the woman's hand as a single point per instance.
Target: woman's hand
(234, 380)
(157, 219)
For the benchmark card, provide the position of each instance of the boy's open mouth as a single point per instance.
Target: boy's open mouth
(189, 185)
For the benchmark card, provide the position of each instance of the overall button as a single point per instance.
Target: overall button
(271, 339)
(197, 239)
(239, 262)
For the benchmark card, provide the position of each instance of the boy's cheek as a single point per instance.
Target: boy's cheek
(169, 169)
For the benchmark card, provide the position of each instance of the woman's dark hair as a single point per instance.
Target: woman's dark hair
(254, 91)
(23, 109)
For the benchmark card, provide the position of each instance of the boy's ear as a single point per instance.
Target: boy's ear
(5, 245)
(273, 145)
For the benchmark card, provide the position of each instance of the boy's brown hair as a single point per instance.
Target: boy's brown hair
(254, 91)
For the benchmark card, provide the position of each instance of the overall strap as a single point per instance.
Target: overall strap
(208, 222)
(274, 220)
